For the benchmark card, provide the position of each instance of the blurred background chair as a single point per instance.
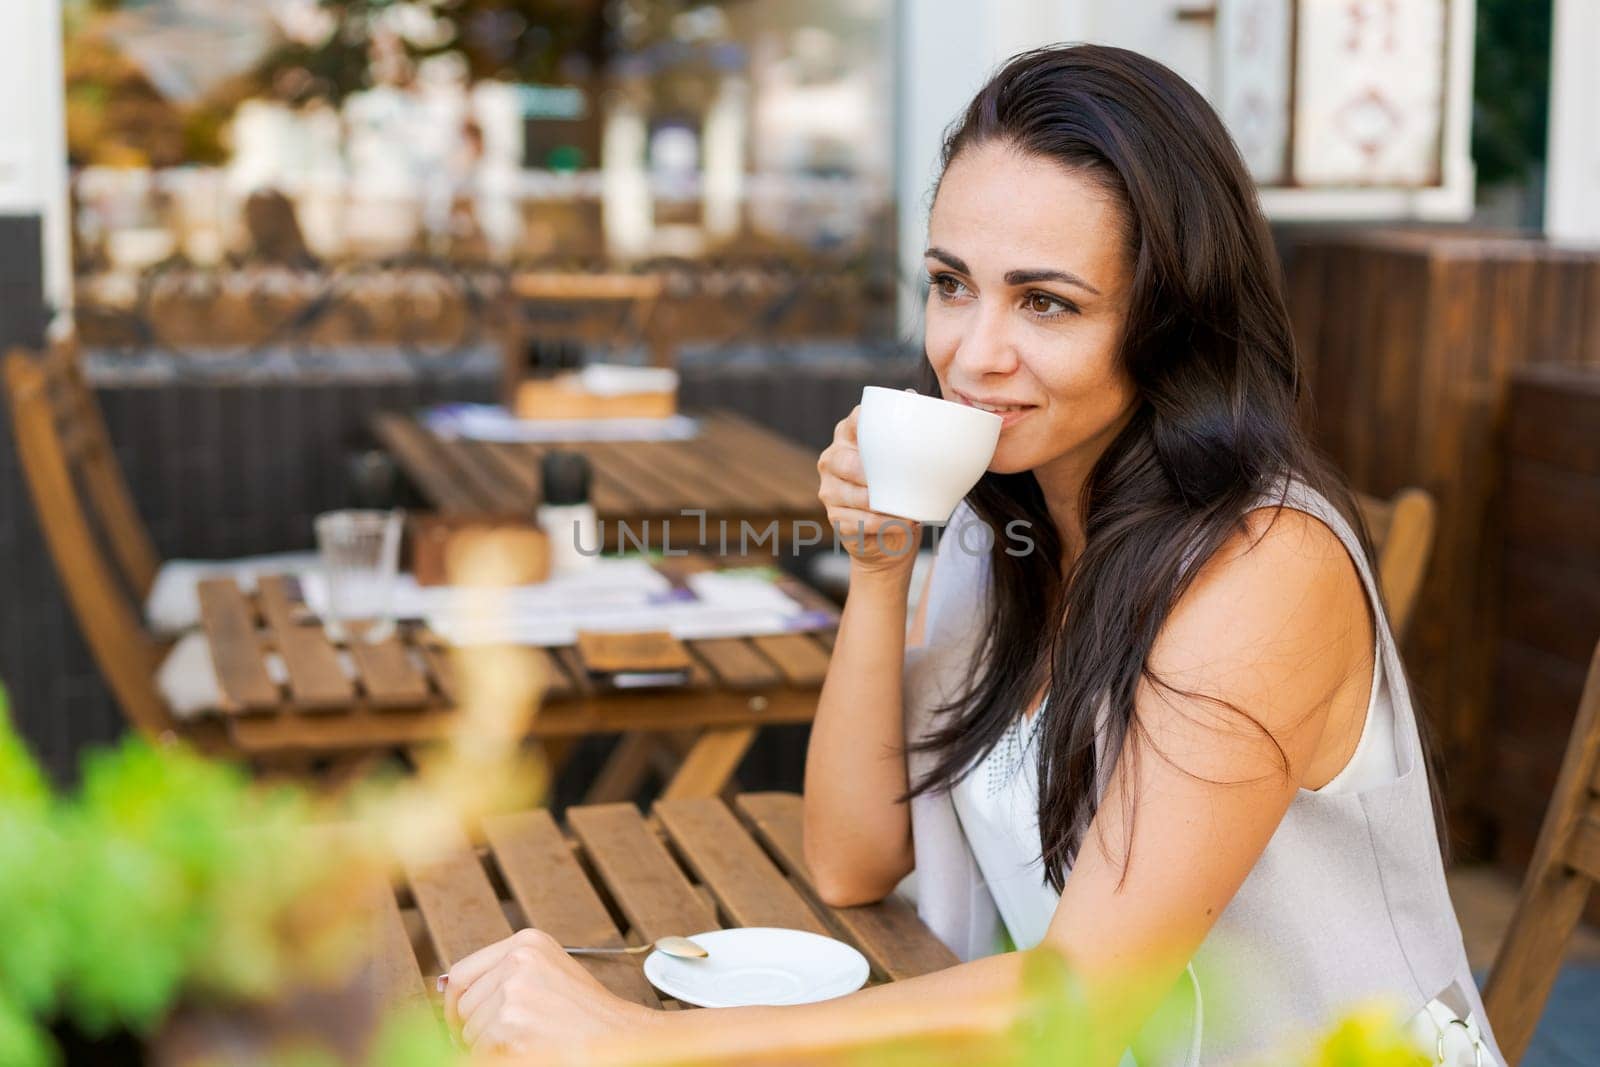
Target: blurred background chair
(104, 557)
(1402, 530)
(165, 589)
(1564, 871)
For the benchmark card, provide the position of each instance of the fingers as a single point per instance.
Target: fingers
(471, 968)
(846, 430)
(836, 493)
(482, 1015)
(866, 533)
(844, 462)
(467, 972)
(490, 983)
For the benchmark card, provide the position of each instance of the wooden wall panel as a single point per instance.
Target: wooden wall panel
(1411, 339)
(1550, 587)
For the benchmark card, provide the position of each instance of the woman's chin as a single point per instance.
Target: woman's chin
(1003, 463)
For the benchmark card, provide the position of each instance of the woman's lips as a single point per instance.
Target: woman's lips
(1010, 413)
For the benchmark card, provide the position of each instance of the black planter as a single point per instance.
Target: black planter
(118, 1048)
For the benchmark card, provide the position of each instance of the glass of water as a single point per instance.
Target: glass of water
(360, 557)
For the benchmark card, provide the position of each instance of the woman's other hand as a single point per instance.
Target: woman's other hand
(525, 994)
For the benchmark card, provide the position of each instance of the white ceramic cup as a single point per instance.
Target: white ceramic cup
(922, 454)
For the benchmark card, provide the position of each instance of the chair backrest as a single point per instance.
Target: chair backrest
(87, 446)
(66, 459)
(1564, 870)
(1402, 536)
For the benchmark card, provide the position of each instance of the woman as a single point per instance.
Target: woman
(1174, 740)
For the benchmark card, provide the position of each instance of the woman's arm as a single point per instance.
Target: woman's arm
(857, 833)
(1276, 628)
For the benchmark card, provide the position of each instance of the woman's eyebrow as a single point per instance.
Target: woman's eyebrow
(1015, 277)
(1023, 277)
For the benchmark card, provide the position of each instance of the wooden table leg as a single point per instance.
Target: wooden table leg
(557, 750)
(346, 770)
(710, 763)
(624, 771)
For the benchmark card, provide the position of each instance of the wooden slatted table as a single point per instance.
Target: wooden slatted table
(734, 470)
(616, 877)
(402, 692)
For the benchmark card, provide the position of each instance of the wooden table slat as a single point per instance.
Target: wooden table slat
(526, 459)
(420, 454)
(654, 494)
(396, 977)
(456, 899)
(733, 468)
(521, 465)
(639, 873)
(801, 659)
(703, 482)
(608, 711)
(316, 678)
(556, 897)
(789, 483)
(441, 670)
(502, 492)
(789, 469)
(388, 675)
(744, 474)
(736, 663)
(567, 657)
(888, 933)
(750, 890)
(230, 629)
(560, 683)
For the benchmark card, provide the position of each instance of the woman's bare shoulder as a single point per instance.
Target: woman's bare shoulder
(1274, 622)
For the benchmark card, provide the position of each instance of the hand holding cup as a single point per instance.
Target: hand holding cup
(898, 460)
(875, 541)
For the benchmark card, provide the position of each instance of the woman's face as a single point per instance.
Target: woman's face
(1028, 291)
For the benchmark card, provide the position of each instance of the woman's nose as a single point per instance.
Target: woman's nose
(987, 347)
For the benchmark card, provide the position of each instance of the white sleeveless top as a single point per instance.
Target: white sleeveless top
(998, 805)
(1347, 904)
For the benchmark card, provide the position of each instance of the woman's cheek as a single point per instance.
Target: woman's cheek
(939, 354)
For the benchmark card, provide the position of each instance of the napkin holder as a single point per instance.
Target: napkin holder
(473, 550)
(599, 391)
(634, 660)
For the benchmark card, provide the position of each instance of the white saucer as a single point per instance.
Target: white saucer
(759, 965)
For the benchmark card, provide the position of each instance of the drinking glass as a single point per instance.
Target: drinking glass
(360, 556)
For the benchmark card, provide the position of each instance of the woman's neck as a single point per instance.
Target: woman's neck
(1061, 481)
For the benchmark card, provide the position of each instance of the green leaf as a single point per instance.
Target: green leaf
(22, 785)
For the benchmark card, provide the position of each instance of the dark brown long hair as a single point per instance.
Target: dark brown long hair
(1216, 424)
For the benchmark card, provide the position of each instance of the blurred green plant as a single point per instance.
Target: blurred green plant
(165, 879)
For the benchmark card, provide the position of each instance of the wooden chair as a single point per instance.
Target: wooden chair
(1402, 535)
(1564, 870)
(102, 552)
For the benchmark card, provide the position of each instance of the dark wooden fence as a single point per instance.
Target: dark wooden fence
(1550, 592)
(1411, 339)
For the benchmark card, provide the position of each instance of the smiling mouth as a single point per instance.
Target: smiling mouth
(996, 409)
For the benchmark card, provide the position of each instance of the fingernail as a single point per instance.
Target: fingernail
(442, 981)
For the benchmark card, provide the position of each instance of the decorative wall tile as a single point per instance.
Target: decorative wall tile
(1369, 100)
(1254, 58)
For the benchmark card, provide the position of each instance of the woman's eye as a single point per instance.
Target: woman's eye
(947, 285)
(1045, 304)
